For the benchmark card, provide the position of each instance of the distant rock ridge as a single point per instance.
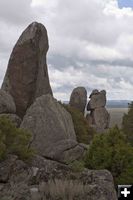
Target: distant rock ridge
(98, 117)
(27, 75)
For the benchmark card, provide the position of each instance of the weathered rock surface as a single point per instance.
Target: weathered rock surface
(98, 117)
(27, 75)
(13, 118)
(45, 179)
(97, 100)
(7, 104)
(78, 98)
(102, 118)
(49, 124)
(66, 151)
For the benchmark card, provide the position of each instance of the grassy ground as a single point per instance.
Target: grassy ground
(116, 115)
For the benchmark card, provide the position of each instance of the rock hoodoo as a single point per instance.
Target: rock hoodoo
(99, 117)
(27, 75)
(78, 98)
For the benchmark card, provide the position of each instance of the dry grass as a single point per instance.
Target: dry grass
(63, 189)
(116, 115)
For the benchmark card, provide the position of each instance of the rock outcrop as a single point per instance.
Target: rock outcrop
(52, 129)
(7, 104)
(78, 99)
(50, 180)
(98, 117)
(27, 75)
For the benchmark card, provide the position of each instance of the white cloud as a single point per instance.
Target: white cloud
(91, 42)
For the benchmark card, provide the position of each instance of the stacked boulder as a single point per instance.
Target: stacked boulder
(98, 117)
(27, 82)
(78, 99)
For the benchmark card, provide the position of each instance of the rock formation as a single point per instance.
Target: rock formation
(53, 137)
(50, 180)
(52, 129)
(78, 99)
(99, 117)
(27, 75)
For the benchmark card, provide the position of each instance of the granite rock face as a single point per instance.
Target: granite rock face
(49, 124)
(50, 180)
(27, 75)
(7, 104)
(98, 117)
(78, 98)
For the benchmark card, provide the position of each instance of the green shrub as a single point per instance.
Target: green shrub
(127, 124)
(77, 166)
(111, 151)
(13, 140)
(83, 131)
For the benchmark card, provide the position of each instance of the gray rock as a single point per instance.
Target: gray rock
(49, 123)
(102, 119)
(13, 118)
(78, 98)
(94, 92)
(97, 100)
(7, 104)
(54, 178)
(66, 151)
(27, 75)
(6, 167)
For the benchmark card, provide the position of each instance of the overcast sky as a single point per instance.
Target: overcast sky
(91, 42)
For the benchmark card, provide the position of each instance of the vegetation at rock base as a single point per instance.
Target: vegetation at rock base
(77, 166)
(83, 131)
(111, 151)
(63, 189)
(14, 140)
(127, 124)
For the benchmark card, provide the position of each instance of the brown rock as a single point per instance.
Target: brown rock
(27, 75)
(78, 98)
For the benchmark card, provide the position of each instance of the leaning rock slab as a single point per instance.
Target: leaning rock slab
(49, 123)
(78, 99)
(7, 104)
(27, 75)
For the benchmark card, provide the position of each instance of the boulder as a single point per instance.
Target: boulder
(66, 151)
(49, 124)
(7, 104)
(51, 180)
(27, 75)
(78, 98)
(13, 118)
(102, 119)
(97, 100)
